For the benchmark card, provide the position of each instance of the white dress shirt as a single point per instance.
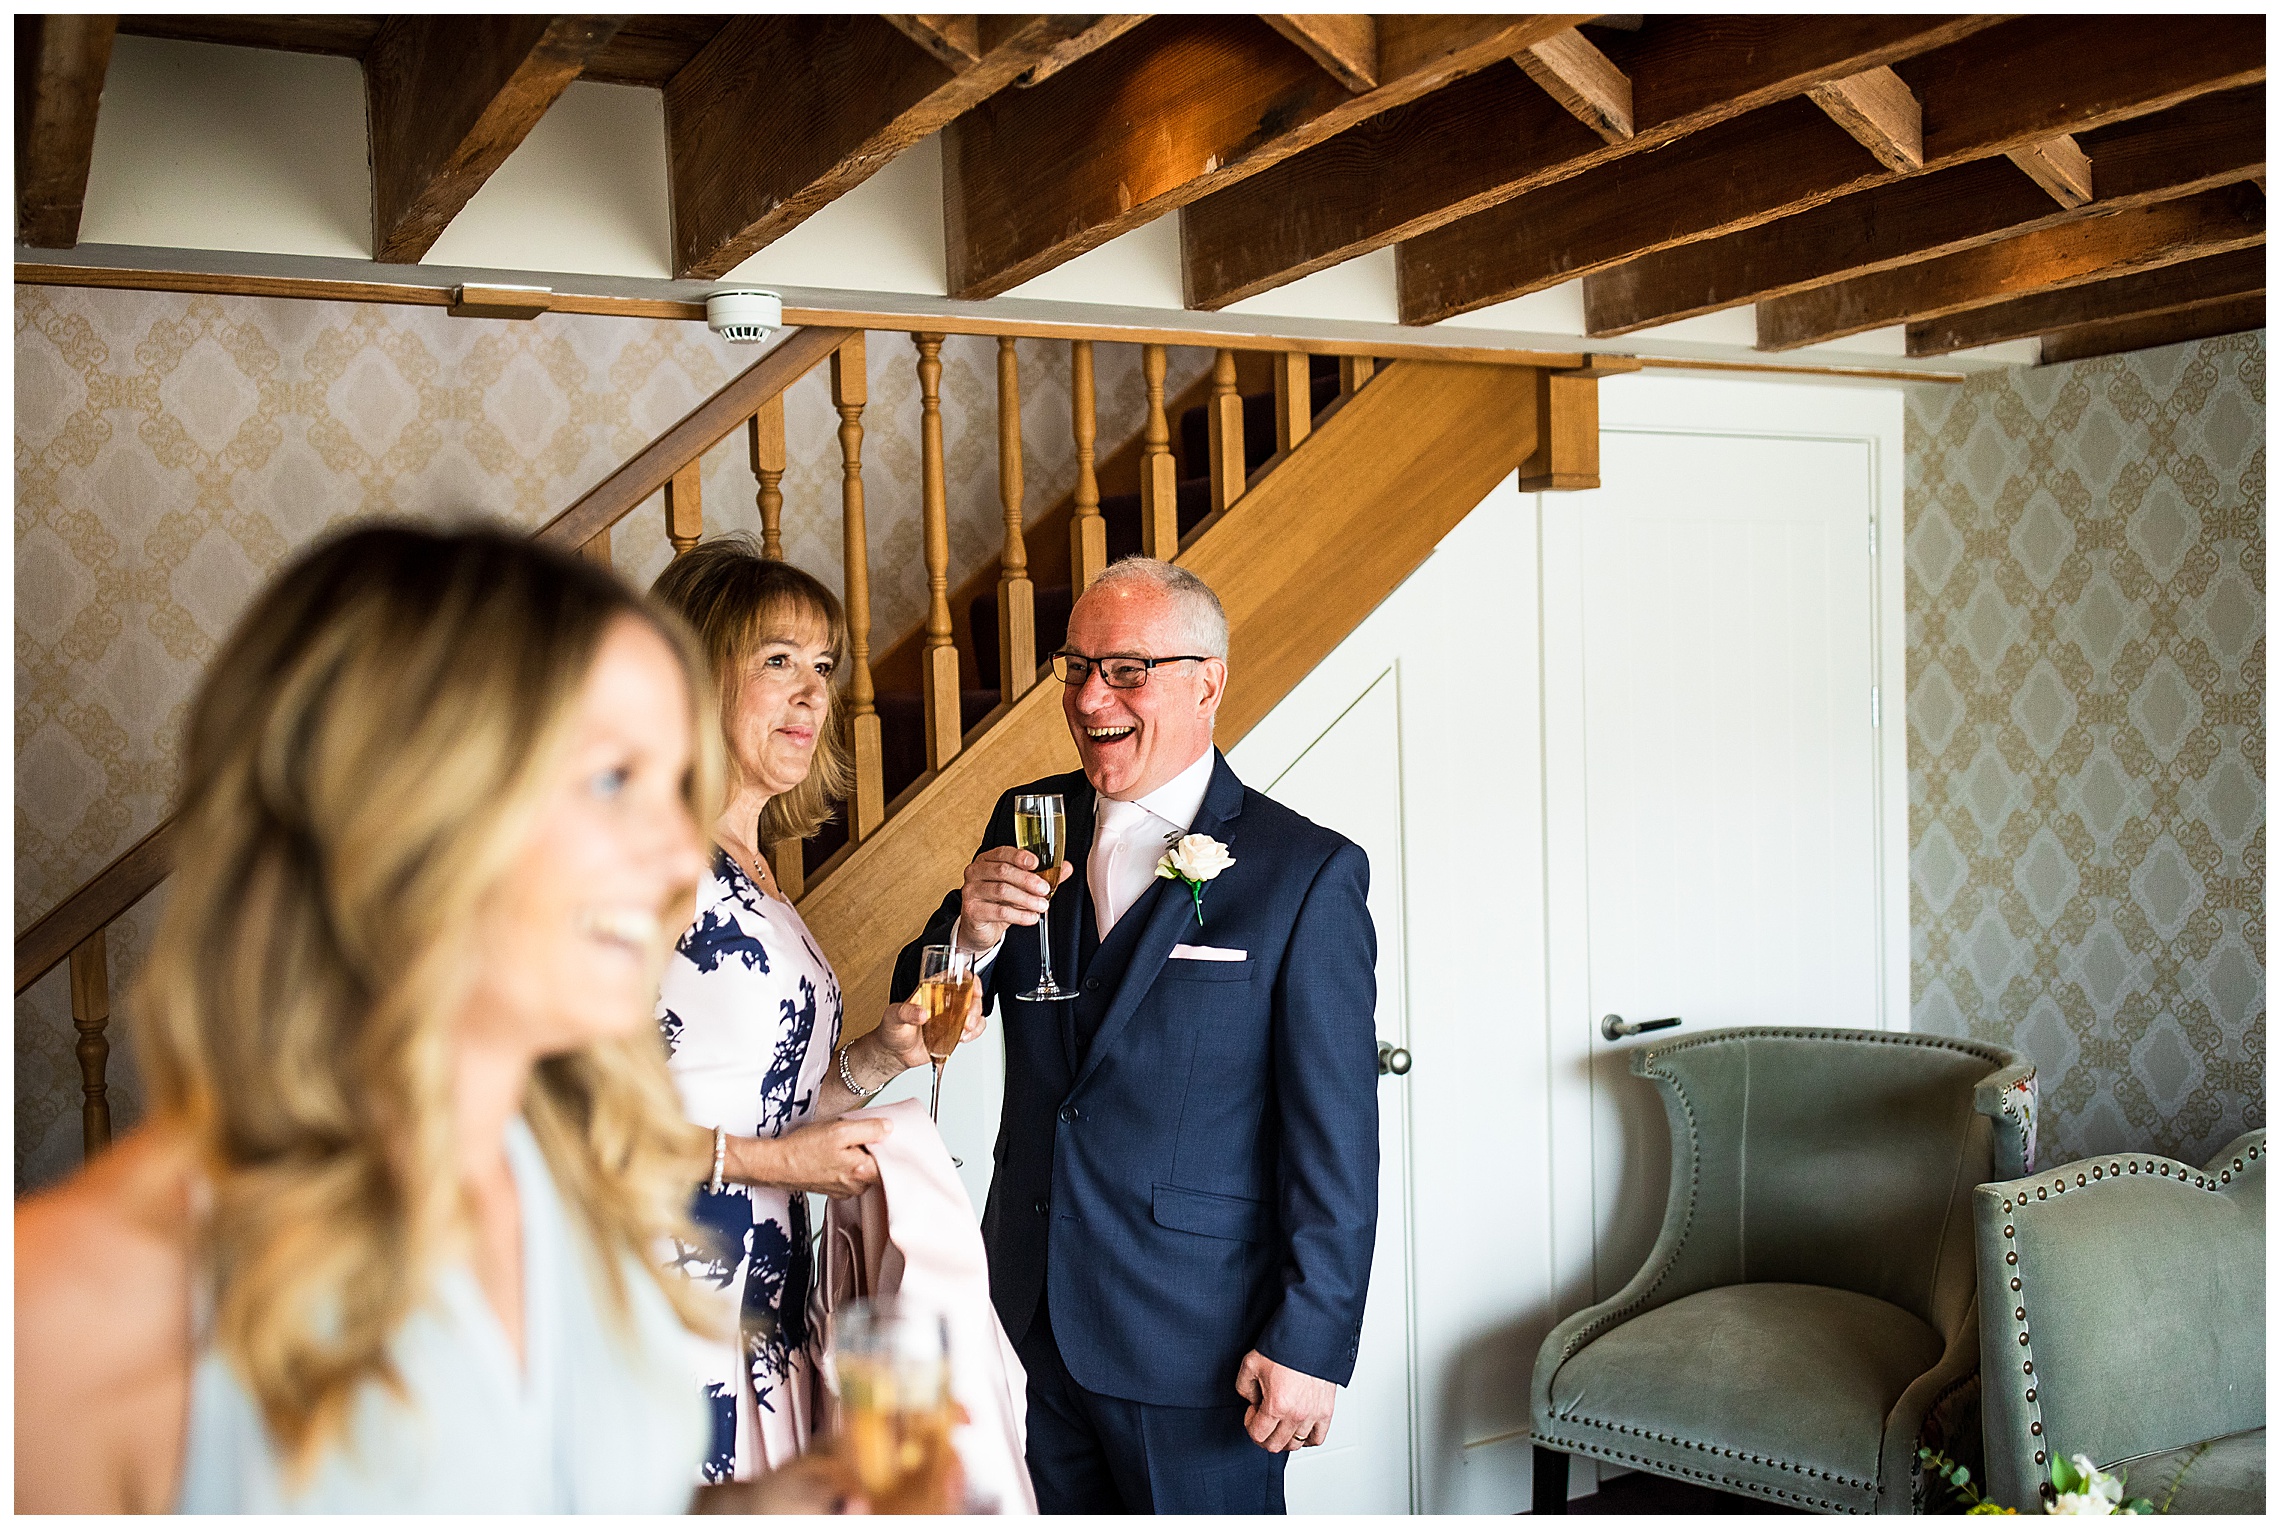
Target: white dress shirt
(1129, 840)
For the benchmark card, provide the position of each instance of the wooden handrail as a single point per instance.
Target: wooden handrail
(110, 892)
(582, 527)
(652, 467)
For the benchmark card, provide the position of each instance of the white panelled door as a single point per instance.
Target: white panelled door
(1715, 678)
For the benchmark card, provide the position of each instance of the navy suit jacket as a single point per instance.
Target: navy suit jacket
(1202, 1180)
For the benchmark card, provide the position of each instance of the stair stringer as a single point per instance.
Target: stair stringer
(1329, 531)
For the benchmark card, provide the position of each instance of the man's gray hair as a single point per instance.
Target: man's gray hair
(1201, 615)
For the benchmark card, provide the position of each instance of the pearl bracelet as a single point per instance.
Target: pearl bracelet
(847, 1076)
(720, 1158)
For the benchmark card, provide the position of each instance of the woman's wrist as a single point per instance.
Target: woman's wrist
(752, 1160)
(870, 1065)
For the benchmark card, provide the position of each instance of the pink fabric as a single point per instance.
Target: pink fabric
(915, 1237)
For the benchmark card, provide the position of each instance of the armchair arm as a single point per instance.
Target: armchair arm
(1932, 1411)
(2008, 1098)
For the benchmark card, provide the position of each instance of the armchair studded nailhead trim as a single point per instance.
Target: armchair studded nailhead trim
(1583, 1336)
(1741, 1484)
(2015, 1306)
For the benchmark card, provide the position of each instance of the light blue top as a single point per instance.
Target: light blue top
(592, 1425)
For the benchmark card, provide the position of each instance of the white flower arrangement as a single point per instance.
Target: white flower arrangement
(1195, 860)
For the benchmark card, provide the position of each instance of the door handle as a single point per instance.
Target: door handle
(1392, 1059)
(1614, 1026)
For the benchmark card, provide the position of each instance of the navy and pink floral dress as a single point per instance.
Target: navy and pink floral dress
(751, 1014)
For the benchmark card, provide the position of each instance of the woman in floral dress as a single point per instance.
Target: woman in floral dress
(750, 1007)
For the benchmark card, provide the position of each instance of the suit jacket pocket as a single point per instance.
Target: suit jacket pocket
(1183, 969)
(1209, 1215)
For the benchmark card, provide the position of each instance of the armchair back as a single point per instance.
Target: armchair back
(2123, 1310)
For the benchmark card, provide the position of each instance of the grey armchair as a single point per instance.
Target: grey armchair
(2125, 1322)
(1807, 1316)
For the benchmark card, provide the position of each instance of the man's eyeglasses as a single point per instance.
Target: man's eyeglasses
(1120, 672)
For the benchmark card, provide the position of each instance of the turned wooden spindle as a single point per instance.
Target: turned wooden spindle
(939, 663)
(596, 548)
(1353, 371)
(1088, 533)
(1159, 479)
(1017, 597)
(1294, 399)
(766, 432)
(849, 392)
(685, 508)
(1226, 416)
(91, 1015)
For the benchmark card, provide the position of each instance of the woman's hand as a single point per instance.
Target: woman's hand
(825, 1158)
(902, 1037)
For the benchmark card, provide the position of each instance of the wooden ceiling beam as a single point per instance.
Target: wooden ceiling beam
(2147, 294)
(2119, 335)
(781, 114)
(2117, 67)
(2084, 250)
(1881, 112)
(1184, 106)
(955, 40)
(2059, 166)
(1731, 176)
(1584, 81)
(1497, 135)
(2209, 142)
(448, 98)
(1345, 45)
(60, 64)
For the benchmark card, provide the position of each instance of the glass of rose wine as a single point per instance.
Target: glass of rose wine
(1041, 826)
(948, 990)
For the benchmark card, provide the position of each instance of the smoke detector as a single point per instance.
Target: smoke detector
(744, 316)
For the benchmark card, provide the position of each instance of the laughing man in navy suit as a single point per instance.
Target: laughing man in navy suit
(1185, 1194)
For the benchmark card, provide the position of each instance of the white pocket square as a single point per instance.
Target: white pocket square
(1208, 953)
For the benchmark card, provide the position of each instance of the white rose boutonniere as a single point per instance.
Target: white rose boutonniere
(1196, 859)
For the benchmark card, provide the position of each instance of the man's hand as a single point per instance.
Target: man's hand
(1003, 887)
(1288, 1409)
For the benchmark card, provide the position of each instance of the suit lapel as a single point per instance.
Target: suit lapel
(1169, 911)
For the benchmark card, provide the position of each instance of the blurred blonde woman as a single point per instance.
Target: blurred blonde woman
(386, 1242)
(750, 1007)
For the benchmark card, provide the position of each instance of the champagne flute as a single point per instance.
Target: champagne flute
(1041, 826)
(948, 990)
(892, 1370)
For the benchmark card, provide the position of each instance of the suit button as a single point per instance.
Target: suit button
(1092, 984)
(1040, 1207)
(1067, 1114)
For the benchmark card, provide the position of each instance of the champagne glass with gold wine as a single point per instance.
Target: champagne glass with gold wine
(1041, 826)
(948, 991)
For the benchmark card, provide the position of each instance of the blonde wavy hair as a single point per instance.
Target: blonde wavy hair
(735, 599)
(364, 759)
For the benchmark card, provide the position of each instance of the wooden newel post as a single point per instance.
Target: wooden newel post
(1159, 479)
(1228, 477)
(685, 507)
(91, 1015)
(850, 390)
(1017, 597)
(1088, 533)
(1567, 432)
(766, 430)
(1294, 399)
(939, 664)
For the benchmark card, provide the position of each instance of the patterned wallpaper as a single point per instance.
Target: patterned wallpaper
(172, 451)
(2086, 730)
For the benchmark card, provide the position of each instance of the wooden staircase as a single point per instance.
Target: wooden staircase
(1303, 487)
